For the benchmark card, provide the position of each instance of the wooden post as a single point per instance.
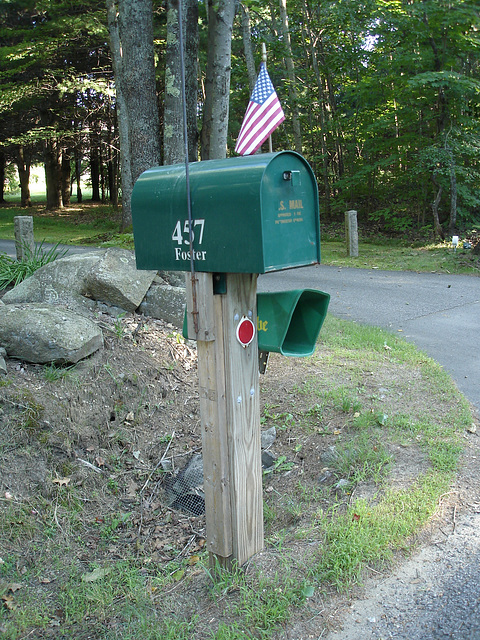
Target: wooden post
(24, 241)
(230, 417)
(351, 233)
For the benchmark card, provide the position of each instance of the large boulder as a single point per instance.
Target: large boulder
(43, 333)
(59, 282)
(115, 280)
(164, 302)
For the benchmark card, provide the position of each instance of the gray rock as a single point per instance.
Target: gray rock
(268, 437)
(115, 280)
(268, 460)
(173, 278)
(325, 476)
(59, 282)
(3, 366)
(40, 333)
(329, 457)
(164, 302)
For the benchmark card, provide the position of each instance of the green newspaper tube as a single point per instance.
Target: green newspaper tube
(288, 322)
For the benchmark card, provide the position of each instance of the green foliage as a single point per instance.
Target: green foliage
(12, 271)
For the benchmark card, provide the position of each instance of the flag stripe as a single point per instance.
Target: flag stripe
(263, 115)
(254, 113)
(272, 121)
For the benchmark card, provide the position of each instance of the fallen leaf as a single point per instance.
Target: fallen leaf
(14, 586)
(130, 417)
(100, 461)
(96, 574)
(356, 517)
(193, 560)
(8, 602)
(132, 489)
(8, 495)
(178, 575)
(308, 591)
(62, 482)
(45, 581)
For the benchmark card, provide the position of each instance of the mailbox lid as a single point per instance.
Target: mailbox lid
(234, 211)
(290, 214)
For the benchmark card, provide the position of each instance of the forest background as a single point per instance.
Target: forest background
(381, 97)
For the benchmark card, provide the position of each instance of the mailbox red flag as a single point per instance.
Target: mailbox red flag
(264, 114)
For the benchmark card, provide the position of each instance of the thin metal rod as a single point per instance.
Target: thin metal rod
(187, 169)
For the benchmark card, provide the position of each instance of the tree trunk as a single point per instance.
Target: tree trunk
(173, 140)
(453, 199)
(292, 85)
(322, 109)
(22, 160)
(53, 174)
(138, 84)
(131, 42)
(78, 174)
(66, 176)
(94, 171)
(217, 84)
(437, 227)
(122, 114)
(247, 47)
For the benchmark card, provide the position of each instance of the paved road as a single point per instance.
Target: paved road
(440, 313)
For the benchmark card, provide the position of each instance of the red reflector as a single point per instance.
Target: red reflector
(245, 331)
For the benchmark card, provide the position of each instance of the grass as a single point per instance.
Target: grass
(85, 224)
(396, 255)
(12, 271)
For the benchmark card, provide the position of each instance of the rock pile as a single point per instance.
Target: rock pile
(52, 316)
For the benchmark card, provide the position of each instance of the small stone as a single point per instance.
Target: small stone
(330, 456)
(268, 437)
(3, 366)
(268, 459)
(341, 484)
(324, 476)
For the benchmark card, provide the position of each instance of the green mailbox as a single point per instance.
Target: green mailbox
(251, 214)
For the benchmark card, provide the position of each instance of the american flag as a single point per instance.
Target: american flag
(264, 114)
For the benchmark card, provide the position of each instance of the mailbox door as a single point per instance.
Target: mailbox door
(290, 217)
